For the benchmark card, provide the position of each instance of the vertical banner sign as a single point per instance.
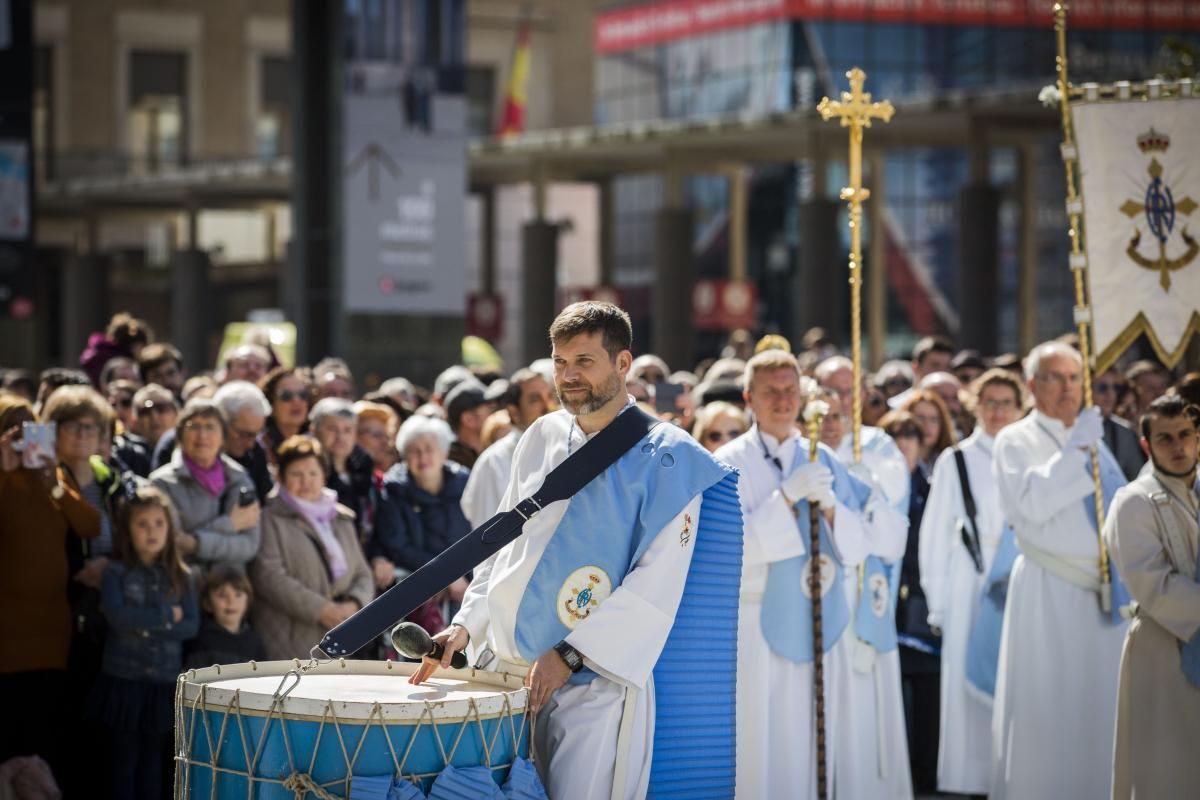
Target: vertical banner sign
(1141, 205)
(404, 160)
(16, 173)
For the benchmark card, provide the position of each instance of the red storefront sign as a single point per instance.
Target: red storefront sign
(722, 305)
(485, 316)
(630, 27)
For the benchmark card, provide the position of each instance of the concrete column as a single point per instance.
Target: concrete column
(192, 306)
(607, 232)
(539, 265)
(1027, 303)
(673, 333)
(978, 266)
(487, 241)
(84, 306)
(818, 285)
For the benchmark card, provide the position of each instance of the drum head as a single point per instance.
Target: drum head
(354, 690)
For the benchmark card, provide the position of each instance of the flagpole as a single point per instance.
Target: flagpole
(1083, 311)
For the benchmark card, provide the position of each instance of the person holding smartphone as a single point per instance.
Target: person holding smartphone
(41, 512)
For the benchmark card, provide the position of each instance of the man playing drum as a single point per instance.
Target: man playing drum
(588, 595)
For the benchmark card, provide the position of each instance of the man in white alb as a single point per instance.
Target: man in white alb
(1056, 686)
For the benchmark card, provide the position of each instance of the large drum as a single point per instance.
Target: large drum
(349, 728)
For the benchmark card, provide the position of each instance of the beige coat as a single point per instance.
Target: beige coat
(1158, 710)
(291, 581)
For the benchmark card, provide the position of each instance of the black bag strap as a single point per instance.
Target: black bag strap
(970, 538)
(564, 481)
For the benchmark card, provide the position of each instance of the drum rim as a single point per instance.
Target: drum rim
(196, 691)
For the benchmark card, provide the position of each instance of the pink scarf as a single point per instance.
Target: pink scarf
(211, 478)
(320, 514)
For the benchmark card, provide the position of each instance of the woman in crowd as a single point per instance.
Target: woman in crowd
(907, 434)
(217, 505)
(420, 513)
(920, 650)
(953, 576)
(377, 426)
(41, 512)
(120, 396)
(289, 391)
(348, 468)
(718, 423)
(310, 574)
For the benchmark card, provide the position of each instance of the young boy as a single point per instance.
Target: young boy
(225, 637)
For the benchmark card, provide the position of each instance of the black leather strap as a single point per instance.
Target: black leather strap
(970, 533)
(580, 468)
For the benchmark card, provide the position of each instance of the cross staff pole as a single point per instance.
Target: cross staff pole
(855, 109)
(814, 414)
(1083, 311)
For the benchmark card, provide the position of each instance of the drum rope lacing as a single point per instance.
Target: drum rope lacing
(301, 783)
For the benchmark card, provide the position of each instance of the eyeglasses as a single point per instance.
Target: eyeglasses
(287, 396)
(151, 407)
(1061, 379)
(720, 436)
(928, 419)
(123, 402)
(1104, 387)
(997, 405)
(908, 433)
(244, 435)
(202, 427)
(76, 428)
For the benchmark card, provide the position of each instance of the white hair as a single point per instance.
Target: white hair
(418, 426)
(331, 407)
(394, 386)
(238, 396)
(831, 365)
(1033, 361)
(649, 360)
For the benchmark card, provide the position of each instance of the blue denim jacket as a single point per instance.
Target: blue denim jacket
(144, 642)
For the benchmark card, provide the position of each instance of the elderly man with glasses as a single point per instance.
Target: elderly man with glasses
(1056, 685)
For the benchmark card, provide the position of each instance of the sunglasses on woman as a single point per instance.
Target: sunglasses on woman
(721, 436)
(287, 396)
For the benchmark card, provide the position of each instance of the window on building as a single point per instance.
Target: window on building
(481, 100)
(273, 128)
(157, 117)
(43, 113)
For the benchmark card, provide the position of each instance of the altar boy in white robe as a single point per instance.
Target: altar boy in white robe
(1154, 533)
(588, 596)
(1056, 688)
(956, 553)
(775, 746)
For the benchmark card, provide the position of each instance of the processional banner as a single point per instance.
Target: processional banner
(1140, 190)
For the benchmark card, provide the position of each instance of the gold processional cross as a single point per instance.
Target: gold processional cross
(856, 110)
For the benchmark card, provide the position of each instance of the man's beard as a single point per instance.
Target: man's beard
(594, 400)
(1185, 474)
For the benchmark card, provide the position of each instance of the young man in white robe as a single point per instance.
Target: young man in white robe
(615, 631)
(873, 694)
(1154, 534)
(528, 399)
(953, 583)
(1056, 686)
(775, 710)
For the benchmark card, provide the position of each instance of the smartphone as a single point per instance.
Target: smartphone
(665, 395)
(37, 444)
(246, 497)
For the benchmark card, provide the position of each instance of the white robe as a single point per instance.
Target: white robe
(576, 734)
(776, 755)
(489, 479)
(952, 590)
(873, 700)
(1056, 686)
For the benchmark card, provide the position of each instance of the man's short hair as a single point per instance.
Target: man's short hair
(1169, 406)
(1033, 362)
(237, 396)
(1144, 367)
(331, 407)
(156, 355)
(769, 361)
(931, 344)
(826, 368)
(594, 316)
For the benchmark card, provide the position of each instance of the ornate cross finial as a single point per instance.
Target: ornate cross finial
(855, 107)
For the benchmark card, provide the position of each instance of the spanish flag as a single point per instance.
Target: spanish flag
(513, 121)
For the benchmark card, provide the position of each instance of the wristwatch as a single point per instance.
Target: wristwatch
(570, 656)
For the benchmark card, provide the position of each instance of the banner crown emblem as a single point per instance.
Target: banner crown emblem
(1153, 142)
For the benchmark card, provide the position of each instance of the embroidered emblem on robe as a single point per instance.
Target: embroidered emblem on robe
(829, 569)
(584, 589)
(880, 594)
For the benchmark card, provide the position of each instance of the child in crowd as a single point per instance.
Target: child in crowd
(225, 636)
(150, 604)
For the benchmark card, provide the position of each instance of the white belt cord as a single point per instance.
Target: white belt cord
(624, 742)
(1072, 569)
